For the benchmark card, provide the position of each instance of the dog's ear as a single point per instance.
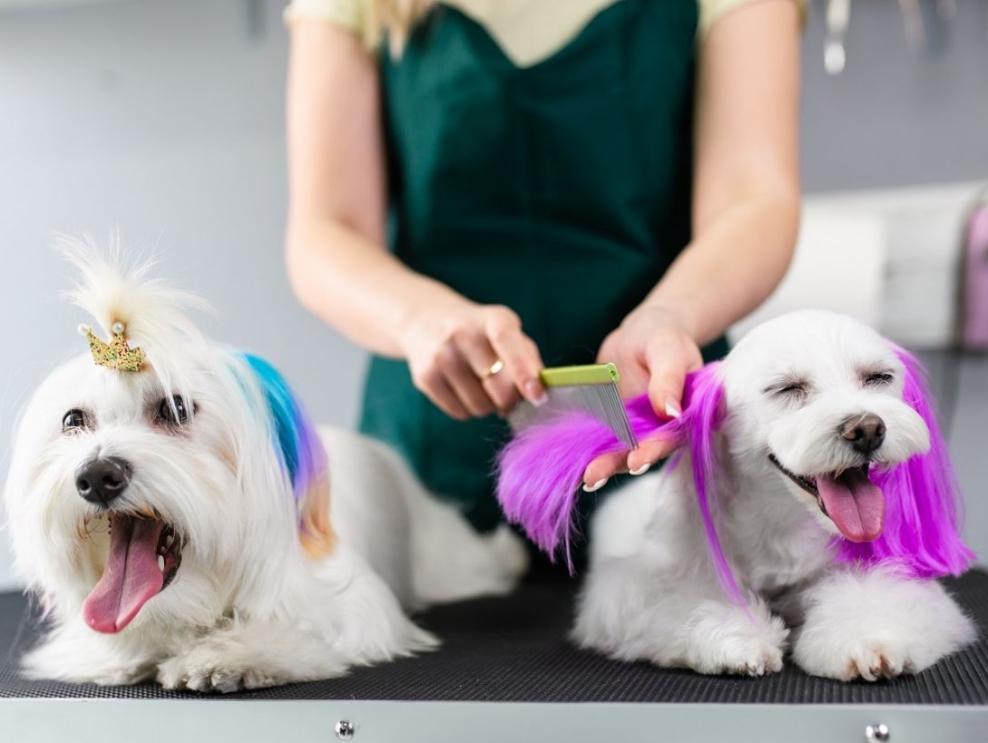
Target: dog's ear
(922, 500)
(540, 471)
(302, 456)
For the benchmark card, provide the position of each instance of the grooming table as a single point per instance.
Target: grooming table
(506, 673)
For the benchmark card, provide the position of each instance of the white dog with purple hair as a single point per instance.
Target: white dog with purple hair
(811, 509)
(175, 512)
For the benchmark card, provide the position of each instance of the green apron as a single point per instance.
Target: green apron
(561, 190)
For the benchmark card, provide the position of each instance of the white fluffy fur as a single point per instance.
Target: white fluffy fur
(247, 608)
(651, 593)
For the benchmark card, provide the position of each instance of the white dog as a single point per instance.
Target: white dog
(170, 505)
(822, 488)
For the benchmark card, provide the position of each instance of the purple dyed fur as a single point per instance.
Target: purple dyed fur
(540, 473)
(922, 500)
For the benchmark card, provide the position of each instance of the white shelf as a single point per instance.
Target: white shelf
(888, 258)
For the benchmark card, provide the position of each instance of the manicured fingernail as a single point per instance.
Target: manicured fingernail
(641, 470)
(672, 409)
(535, 393)
(595, 487)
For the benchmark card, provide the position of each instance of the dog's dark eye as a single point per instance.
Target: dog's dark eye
(175, 411)
(73, 420)
(877, 379)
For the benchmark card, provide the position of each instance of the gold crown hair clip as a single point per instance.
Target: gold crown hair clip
(116, 354)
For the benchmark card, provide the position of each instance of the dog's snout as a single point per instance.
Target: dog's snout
(101, 480)
(865, 432)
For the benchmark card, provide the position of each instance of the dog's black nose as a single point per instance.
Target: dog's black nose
(102, 480)
(865, 432)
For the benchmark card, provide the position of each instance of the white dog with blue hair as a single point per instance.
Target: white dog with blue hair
(178, 517)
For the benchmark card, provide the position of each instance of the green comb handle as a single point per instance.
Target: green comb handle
(567, 376)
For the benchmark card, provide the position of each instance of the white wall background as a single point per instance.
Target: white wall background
(165, 119)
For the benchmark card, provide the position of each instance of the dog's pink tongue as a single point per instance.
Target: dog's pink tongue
(854, 503)
(131, 576)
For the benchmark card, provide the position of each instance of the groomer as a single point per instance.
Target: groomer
(483, 187)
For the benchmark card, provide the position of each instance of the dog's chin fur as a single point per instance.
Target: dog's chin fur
(247, 607)
(652, 593)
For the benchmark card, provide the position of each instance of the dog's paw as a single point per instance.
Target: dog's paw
(877, 625)
(859, 658)
(725, 641)
(742, 656)
(205, 674)
(873, 661)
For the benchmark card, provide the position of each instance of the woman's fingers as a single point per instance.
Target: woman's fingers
(484, 362)
(654, 353)
(434, 386)
(502, 391)
(665, 387)
(633, 372)
(650, 451)
(474, 362)
(602, 469)
(464, 382)
(520, 356)
(636, 462)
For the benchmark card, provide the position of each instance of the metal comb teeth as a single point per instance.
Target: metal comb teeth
(570, 389)
(602, 401)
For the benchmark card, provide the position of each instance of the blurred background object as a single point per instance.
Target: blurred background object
(972, 314)
(165, 119)
(837, 18)
(925, 24)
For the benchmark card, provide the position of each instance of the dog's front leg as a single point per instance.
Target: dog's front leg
(249, 655)
(74, 652)
(333, 628)
(875, 624)
(676, 620)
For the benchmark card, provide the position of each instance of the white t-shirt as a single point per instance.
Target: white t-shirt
(527, 30)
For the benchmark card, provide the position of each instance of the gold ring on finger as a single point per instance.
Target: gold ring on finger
(493, 369)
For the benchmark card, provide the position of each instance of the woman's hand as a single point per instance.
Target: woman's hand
(470, 359)
(653, 351)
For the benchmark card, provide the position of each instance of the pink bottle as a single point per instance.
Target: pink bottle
(974, 304)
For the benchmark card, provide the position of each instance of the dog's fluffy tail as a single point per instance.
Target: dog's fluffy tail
(541, 470)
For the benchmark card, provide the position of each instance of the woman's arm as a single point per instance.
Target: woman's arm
(335, 245)
(746, 174)
(336, 253)
(745, 214)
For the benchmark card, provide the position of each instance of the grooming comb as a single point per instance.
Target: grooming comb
(590, 389)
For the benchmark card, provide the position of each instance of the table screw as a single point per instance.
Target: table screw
(345, 730)
(877, 733)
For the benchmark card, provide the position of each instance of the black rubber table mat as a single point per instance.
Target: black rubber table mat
(515, 649)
